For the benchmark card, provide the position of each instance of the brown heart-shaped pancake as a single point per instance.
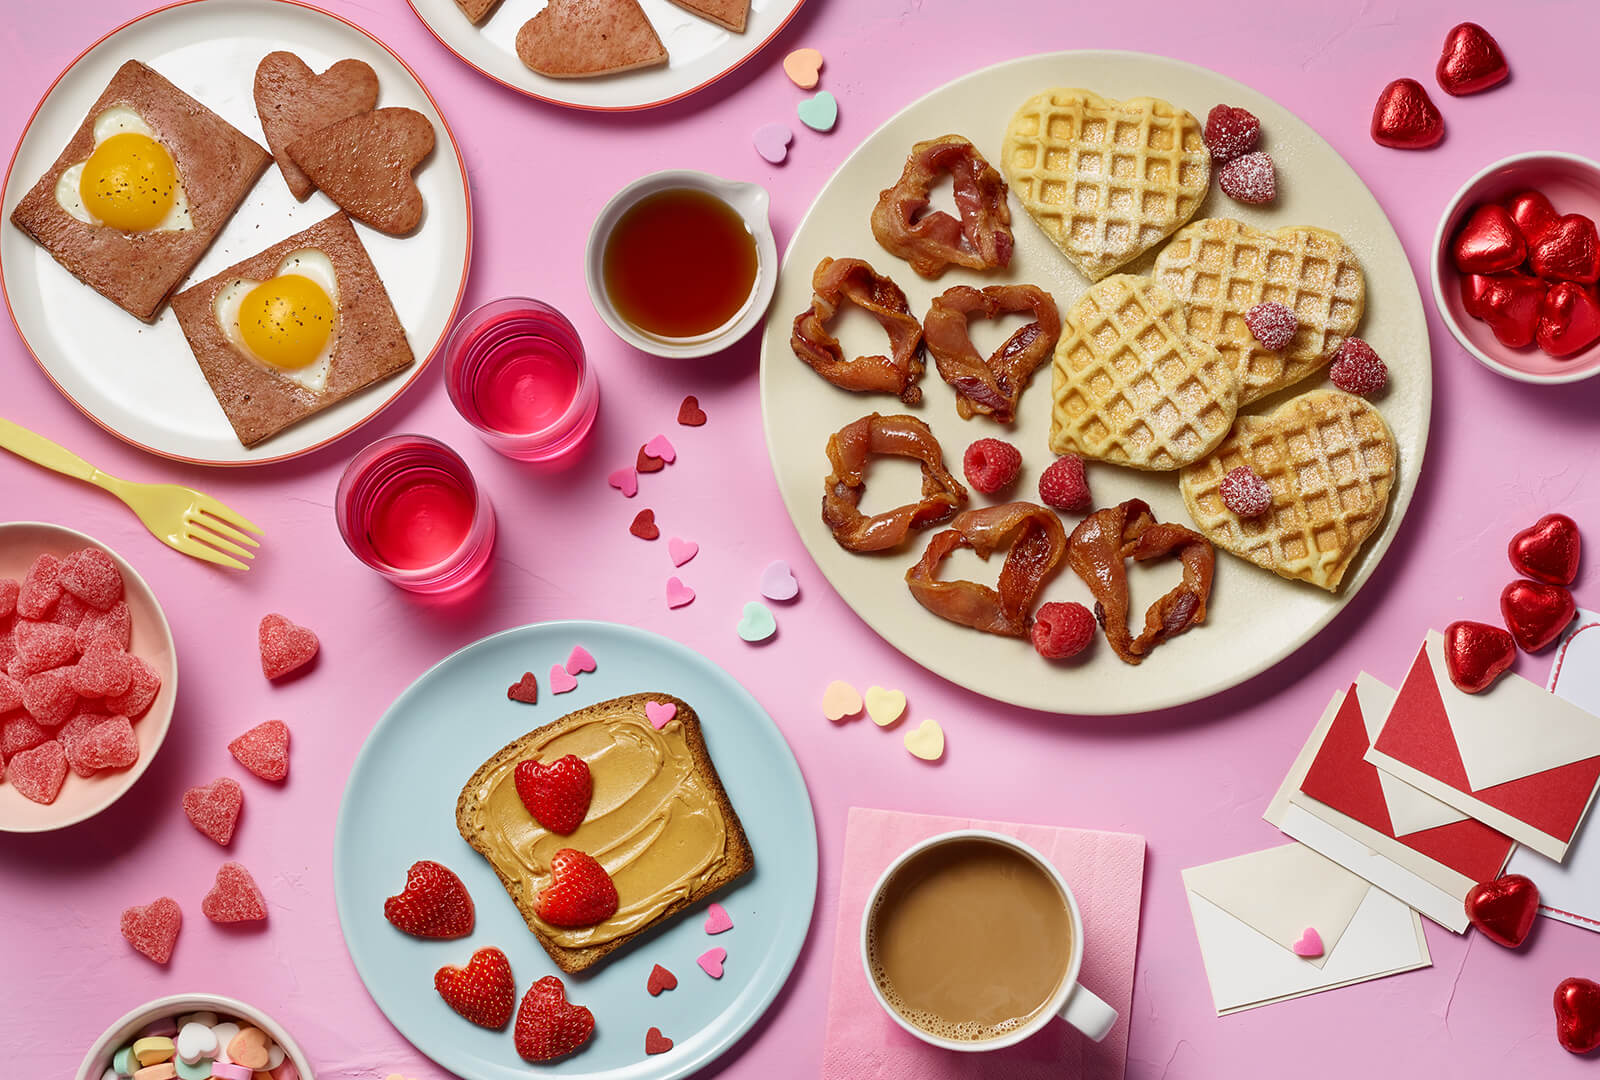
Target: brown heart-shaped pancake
(292, 101)
(363, 163)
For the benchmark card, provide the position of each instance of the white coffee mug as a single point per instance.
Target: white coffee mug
(1074, 1004)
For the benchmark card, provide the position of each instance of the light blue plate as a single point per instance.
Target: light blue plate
(399, 806)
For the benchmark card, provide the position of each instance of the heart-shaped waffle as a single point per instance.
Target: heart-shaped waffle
(1220, 269)
(1330, 461)
(1105, 180)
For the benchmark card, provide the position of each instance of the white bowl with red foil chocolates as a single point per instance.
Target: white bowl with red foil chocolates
(1515, 264)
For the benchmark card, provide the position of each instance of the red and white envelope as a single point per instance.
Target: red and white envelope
(1515, 757)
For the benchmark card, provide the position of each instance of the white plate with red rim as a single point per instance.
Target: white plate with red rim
(83, 797)
(141, 382)
(1255, 619)
(699, 52)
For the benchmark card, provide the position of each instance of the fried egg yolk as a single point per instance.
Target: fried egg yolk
(129, 182)
(286, 322)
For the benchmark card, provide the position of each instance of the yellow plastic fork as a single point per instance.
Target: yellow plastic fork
(182, 518)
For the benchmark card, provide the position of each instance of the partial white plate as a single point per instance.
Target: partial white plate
(1255, 618)
(141, 383)
(699, 52)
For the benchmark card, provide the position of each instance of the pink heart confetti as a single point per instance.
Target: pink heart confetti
(659, 447)
(560, 681)
(717, 919)
(711, 961)
(625, 480)
(579, 661)
(659, 714)
(778, 582)
(682, 551)
(1310, 943)
(678, 594)
(772, 142)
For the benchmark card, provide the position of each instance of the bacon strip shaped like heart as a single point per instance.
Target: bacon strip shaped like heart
(933, 241)
(993, 386)
(849, 450)
(1035, 543)
(834, 282)
(1096, 552)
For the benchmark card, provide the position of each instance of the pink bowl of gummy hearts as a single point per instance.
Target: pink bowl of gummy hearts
(88, 675)
(196, 1037)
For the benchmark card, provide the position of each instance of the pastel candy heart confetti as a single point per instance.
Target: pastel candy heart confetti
(819, 113)
(711, 961)
(644, 525)
(285, 647)
(153, 928)
(660, 979)
(214, 808)
(802, 67)
(525, 689)
(236, 898)
(681, 551)
(778, 582)
(579, 660)
(264, 750)
(625, 480)
(678, 594)
(661, 448)
(718, 920)
(655, 1042)
(757, 623)
(646, 463)
(884, 706)
(690, 414)
(560, 681)
(772, 143)
(840, 700)
(659, 713)
(926, 741)
(1310, 943)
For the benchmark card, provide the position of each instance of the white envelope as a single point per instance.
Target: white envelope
(1249, 910)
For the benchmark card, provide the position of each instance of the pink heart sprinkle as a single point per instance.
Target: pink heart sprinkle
(772, 142)
(682, 551)
(678, 594)
(625, 480)
(1310, 943)
(718, 919)
(711, 960)
(659, 447)
(560, 681)
(659, 715)
(579, 661)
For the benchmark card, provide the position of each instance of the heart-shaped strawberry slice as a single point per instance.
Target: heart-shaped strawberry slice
(1405, 117)
(1471, 61)
(483, 991)
(1504, 909)
(1476, 654)
(285, 647)
(434, 903)
(1567, 250)
(1548, 550)
(1578, 1015)
(580, 892)
(1536, 613)
(1489, 242)
(1569, 319)
(292, 101)
(364, 165)
(525, 689)
(556, 793)
(548, 1025)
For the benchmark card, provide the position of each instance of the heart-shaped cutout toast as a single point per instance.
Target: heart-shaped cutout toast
(1220, 268)
(364, 164)
(1330, 461)
(991, 386)
(293, 101)
(1034, 543)
(1105, 180)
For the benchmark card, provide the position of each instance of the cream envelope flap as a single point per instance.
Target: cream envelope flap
(1281, 891)
(1410, 810)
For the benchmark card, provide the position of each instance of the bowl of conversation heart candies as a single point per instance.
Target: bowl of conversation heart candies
(195, 1037)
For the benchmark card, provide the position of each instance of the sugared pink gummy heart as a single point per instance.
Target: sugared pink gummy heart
(116, 624)
(10, 694)
(9, 587)
(21, 733)
(214, 808)
(71, 735)
(153, 928)
(70, 612)
(235, 897)
(264, 750)
(103, 670)
(284, 646)
(142, 690)
(39, 773)
(92, 576)
(41, 586)
(110, 744)
(44, 645)
(48, 696)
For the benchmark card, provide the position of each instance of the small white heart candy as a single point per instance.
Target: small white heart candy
(224, 1032)
(274, 1056)
(196, 1041)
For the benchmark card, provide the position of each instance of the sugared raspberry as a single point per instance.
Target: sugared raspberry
(1230, 132)
(1245, 493)
(991, 464)
(1064, 486)
(1062, 630)
(1250, 179)
(1357, 369)
(1272, 324)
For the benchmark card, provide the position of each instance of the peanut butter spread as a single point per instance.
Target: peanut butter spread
(653, 823)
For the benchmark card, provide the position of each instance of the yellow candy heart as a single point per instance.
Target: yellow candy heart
(927, 741)
(249, 1048)
(885, 706)
(840, 700)
(153, 1049)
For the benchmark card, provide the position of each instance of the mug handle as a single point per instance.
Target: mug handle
(1088, 1013)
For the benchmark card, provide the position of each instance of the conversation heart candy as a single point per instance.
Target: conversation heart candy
(196, 1042)
(756, 624)
(249, 1048)
(840, 700)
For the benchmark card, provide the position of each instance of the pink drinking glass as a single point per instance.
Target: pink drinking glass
(516, 372)
(409, 508)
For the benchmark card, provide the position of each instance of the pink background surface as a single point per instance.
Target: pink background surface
(1193, 781)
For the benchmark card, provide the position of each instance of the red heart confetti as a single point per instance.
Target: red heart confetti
(690, 414)
(644, 525)
(525, 689)
(655, 1042)
(645, 463)
(660, 979)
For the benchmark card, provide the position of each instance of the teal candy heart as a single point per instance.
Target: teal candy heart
(757, 623)
(819, 113)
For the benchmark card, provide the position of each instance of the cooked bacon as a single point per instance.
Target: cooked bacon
(931, 241)
(849, 450)
(993, 386)
(1034, 541)
(838, 280)
(1096, 552)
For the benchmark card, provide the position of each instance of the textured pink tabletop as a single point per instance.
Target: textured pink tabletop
(1194, 781)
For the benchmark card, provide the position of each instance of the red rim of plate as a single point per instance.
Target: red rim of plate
(525, 92)
(455, 307)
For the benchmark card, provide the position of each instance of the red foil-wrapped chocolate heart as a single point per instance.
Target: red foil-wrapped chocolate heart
(1476, 654)
(1489, 242)
(1536, 613)
(1510, 305)
(1504, 909)
(1532, 212)
(1567, 250)
(1569, 319)
(1471, 61)
(1578, 1015)
(1406, 117)
(1548, 550)
(1473, 286)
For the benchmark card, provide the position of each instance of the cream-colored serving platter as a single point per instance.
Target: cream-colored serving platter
(1256, 619)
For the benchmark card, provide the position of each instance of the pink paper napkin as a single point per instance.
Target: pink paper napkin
(1106, 872)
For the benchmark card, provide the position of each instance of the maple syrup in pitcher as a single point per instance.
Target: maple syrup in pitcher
(679, 263)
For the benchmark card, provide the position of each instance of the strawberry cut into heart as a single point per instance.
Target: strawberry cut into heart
(1536, 613)
(1504, 909)
(434, 903)
(483, 992)
(580, 892)
(1548, 550)
(556, 793)
(1476, 654)
(548, 1025)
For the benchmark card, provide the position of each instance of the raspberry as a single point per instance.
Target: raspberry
(1062, 630)
(1230, 132)
(991, 464)
(1357, 369)
(1245, 493)
(1272, 324)
(1250, 179)
(1064, 486)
